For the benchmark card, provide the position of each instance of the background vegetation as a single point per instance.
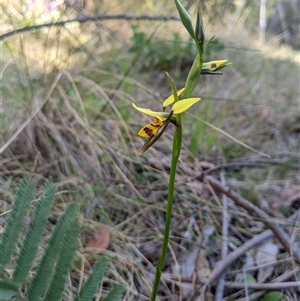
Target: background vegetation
(66, 113)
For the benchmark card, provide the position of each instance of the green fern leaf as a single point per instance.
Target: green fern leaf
(115, 293)
(34, 234)
(89, 288)
(64, 262)
(8, 290)
(46, 268)
(15, 222)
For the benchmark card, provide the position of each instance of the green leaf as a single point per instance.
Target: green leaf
(193, 76)
(250, 279)
(115, 293)
(272, 296)
(34, 234)
(47, 265)
(90, 287)
(185, 19)
(7, 290)
(15, 222)
(64, 262)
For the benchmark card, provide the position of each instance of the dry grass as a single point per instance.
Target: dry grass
(66, 113)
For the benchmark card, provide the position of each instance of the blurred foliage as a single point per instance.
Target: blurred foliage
(163, 54)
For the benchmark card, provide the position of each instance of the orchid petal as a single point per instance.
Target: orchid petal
(170, 99)
(182, 105)
(213, 66)
(149, 130)
(159, 115)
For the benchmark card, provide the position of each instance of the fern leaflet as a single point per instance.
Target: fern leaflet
(46, 267)
(89, 288)
(34, 234)
(115, 293)
(15, 222)
(65, 258)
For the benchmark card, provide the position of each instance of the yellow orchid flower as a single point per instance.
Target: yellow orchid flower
(213, 66)
(162, 118)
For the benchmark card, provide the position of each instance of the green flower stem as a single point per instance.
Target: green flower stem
(177, 140)
(190, 84)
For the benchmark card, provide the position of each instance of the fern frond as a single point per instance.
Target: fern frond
(115, 293)
(64, 262)
(34, 234)
(46, 267)
(8, 290)
(89, 288)
(15, 222)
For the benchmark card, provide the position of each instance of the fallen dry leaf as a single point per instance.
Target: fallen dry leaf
(246, 270)
(265, 259)
(99, 241)
(187, 265)
(202, 266)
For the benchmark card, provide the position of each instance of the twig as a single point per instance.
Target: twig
(278, 282)
(225, 262)
(280, 234)
(263, 286)
(239, 285)
(89, 19)
(237, 165)
(275, 158)
(221, 281)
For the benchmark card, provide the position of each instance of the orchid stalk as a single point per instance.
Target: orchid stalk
(191, 82)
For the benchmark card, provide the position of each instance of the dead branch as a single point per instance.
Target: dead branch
(239, 285)
(90, 19)
(225, 226)
(269, 222)
(247, 163)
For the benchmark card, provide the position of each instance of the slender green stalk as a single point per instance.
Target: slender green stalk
(175, 156)
(191, 81)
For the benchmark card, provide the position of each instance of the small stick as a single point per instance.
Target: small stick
(275, 285)
(270, 223)
(225, 221)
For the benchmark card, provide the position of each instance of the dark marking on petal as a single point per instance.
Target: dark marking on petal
(213, 66)
(148, 131)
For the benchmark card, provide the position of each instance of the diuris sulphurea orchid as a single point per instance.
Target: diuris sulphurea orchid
(213, 67)
(154, 130)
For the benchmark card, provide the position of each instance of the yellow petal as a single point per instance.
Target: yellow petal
(182, 105)
(158, 122)
(170, 99)
(159, 115)
(214, 65)
(149, 130)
